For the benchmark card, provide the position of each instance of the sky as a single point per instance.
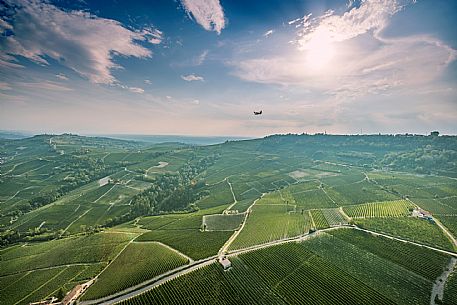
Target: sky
(201, 67)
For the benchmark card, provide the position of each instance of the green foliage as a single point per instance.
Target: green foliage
(267, 223)
(319, 219)
(392, 281)
(222, 222)
(450, 222)
(450, 289)
(212, 285)
(410, 228)
(86, 249)
(137, 263)
(395, 208)
(422, 261)
(193, 243)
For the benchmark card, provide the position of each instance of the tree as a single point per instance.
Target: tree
(60, 294)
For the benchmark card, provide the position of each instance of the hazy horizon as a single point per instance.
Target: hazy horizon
(200, 68)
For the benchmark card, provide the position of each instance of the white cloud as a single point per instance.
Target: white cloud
(371, 15)
(195, 102)
(200, 59)
(79, 40)
(152, 35)
(268, 33)
(136, 90)
(192, 77)
(362, 62)
(61, 76)
(208, 13)
(147, 81)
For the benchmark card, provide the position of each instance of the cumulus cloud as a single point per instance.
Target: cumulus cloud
(208, 13)
(192, 77)
(79, 40)
(362, 62)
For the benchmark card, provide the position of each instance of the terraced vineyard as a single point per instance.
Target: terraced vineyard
(395, 208)
(137, 263)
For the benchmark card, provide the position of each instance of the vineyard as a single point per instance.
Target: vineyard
(266, 223)
(193, 243)
(222, 222)
(334, 217)
(374, 271)
(422, 261)
(410, 228)
(309, 273)
(450, 290)
(87, 249)
(395, 208)
(319, 219)
(137, 263)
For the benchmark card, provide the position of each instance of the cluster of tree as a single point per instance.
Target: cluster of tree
(170, 192)
(38, 234)
(426, 160)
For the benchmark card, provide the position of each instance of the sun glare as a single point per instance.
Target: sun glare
(319, 51)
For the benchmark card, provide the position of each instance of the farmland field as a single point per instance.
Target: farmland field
(285, 210)
(222, 222)
(414, 229)
(137, 263)
(380, 209)
(272, 275)
(193, 243)
(267, 223)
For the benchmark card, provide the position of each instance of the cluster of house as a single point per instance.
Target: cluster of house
(419, 213)
(69, 299)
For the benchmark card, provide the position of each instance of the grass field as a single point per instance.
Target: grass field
(137, 263)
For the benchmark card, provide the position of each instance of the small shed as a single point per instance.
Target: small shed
(226, 264)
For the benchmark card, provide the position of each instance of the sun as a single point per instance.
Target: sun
(319, 51)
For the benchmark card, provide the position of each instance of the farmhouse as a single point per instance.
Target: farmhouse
(225, 263)
(422, 214)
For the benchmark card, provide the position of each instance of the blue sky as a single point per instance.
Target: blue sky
(201, 67)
